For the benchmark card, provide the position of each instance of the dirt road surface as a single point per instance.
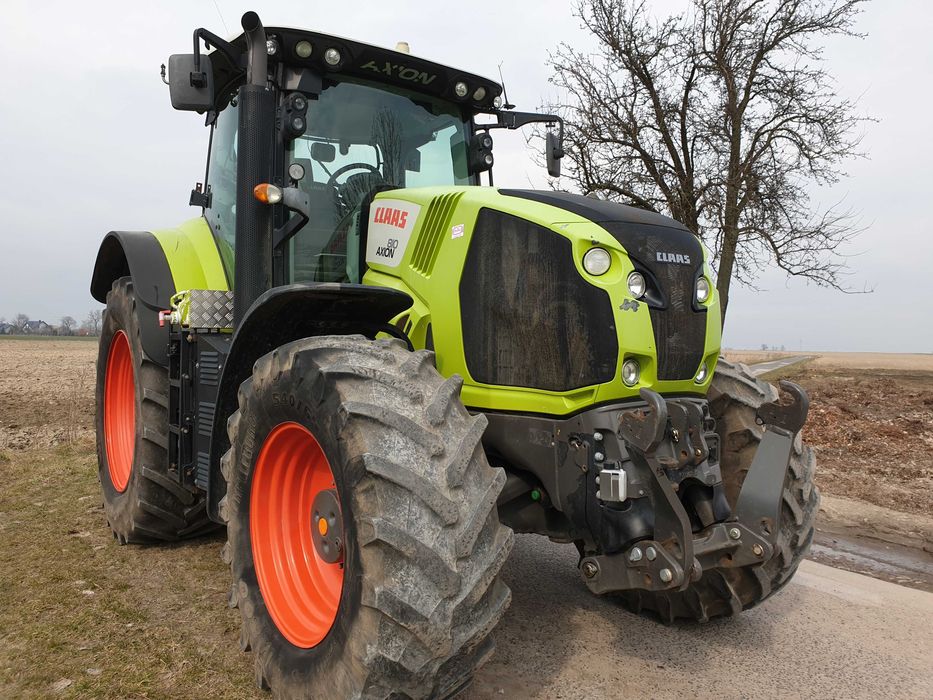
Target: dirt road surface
(828, 634)
(760, 368)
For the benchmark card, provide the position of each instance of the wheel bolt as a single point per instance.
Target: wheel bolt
(666, 575)
(599, 456)
(590, 569)
(735, 533)
(635, 554)
(758, 550)
(597, 436)
(651, 553)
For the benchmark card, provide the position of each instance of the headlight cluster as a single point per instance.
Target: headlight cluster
(637, 285)
(703, 290)
(630, 372)
(597, 261)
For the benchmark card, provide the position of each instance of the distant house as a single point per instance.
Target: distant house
(37, 328)
(7, 329)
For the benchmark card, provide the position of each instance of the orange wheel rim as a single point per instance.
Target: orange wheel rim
(300, 589)
(119, 411)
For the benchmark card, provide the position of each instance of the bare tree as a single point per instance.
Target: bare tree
(20, 320)
(92, 322)
(67, 325)
(720, 117)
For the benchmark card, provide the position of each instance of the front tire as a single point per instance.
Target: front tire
(142, 501)
(422, 546)
(735, 396)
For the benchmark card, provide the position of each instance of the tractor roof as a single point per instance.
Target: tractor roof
(357, 60)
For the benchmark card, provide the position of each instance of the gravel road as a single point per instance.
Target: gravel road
(828, 634)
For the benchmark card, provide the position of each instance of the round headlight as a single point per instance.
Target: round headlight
(497, 101)
(303, 49)
(596, 261)
(479, 94)
(332, 57)
(461, 89)
(703, 290)
(702, 374)
(296, 171)
(636, 285)
(630, 372)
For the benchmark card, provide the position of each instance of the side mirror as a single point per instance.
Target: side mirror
(190, 86)
(554, 151)
(323, 152)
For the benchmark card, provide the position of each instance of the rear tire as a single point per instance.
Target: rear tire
(735, 395)
(142, 501)
(422, 541)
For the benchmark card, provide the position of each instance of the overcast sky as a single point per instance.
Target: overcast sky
(89, 143)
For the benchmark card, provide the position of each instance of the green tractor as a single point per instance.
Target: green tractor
(372, 370)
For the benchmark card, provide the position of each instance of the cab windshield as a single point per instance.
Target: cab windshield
(362, 139)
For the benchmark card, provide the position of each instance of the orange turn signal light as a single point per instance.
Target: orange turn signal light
(267, 194)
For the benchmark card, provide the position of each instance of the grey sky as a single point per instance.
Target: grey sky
(89, 143)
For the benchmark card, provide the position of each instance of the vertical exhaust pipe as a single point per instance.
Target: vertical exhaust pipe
(255, 141)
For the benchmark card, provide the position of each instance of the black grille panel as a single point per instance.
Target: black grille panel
(529, 318)
(679, 329)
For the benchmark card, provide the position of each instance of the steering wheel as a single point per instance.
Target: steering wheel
(332, 181)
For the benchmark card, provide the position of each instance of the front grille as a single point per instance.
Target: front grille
(528, 318)
(679, 329)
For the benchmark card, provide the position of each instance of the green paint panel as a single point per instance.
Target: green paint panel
(430, 272)
(192, 255)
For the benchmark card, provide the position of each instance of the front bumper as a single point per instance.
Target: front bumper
(664, 438)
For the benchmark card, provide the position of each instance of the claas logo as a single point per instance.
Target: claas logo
(391, 217)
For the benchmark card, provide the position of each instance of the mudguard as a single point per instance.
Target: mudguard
(284, 314)
(160, 263)
(139, 255)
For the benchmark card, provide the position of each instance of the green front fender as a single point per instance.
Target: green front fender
(193, 256)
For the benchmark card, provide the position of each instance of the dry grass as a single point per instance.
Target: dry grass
(81, 616)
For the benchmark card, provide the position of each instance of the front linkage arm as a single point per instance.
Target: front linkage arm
(669, 435)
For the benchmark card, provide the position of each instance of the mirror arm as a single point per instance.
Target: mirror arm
(516, 120)
(299, 202)
(210, 39)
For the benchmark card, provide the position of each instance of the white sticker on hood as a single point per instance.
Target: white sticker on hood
(391, 222)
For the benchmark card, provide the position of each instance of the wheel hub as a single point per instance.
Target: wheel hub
(326, 529)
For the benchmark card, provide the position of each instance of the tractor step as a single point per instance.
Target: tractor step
(204, 310)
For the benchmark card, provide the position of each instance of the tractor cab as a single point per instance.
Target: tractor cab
(353, 120)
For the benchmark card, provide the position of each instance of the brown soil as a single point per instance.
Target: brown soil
(873, 434)
(46, 392)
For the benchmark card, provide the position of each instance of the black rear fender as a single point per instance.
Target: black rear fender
(137, 254)
(284, 314)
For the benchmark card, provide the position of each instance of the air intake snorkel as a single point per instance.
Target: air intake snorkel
(256, 60)
(253, 261)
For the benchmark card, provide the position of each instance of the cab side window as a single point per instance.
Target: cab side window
(221, 185)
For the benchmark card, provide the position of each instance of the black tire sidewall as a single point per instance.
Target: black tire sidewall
(277, 403)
